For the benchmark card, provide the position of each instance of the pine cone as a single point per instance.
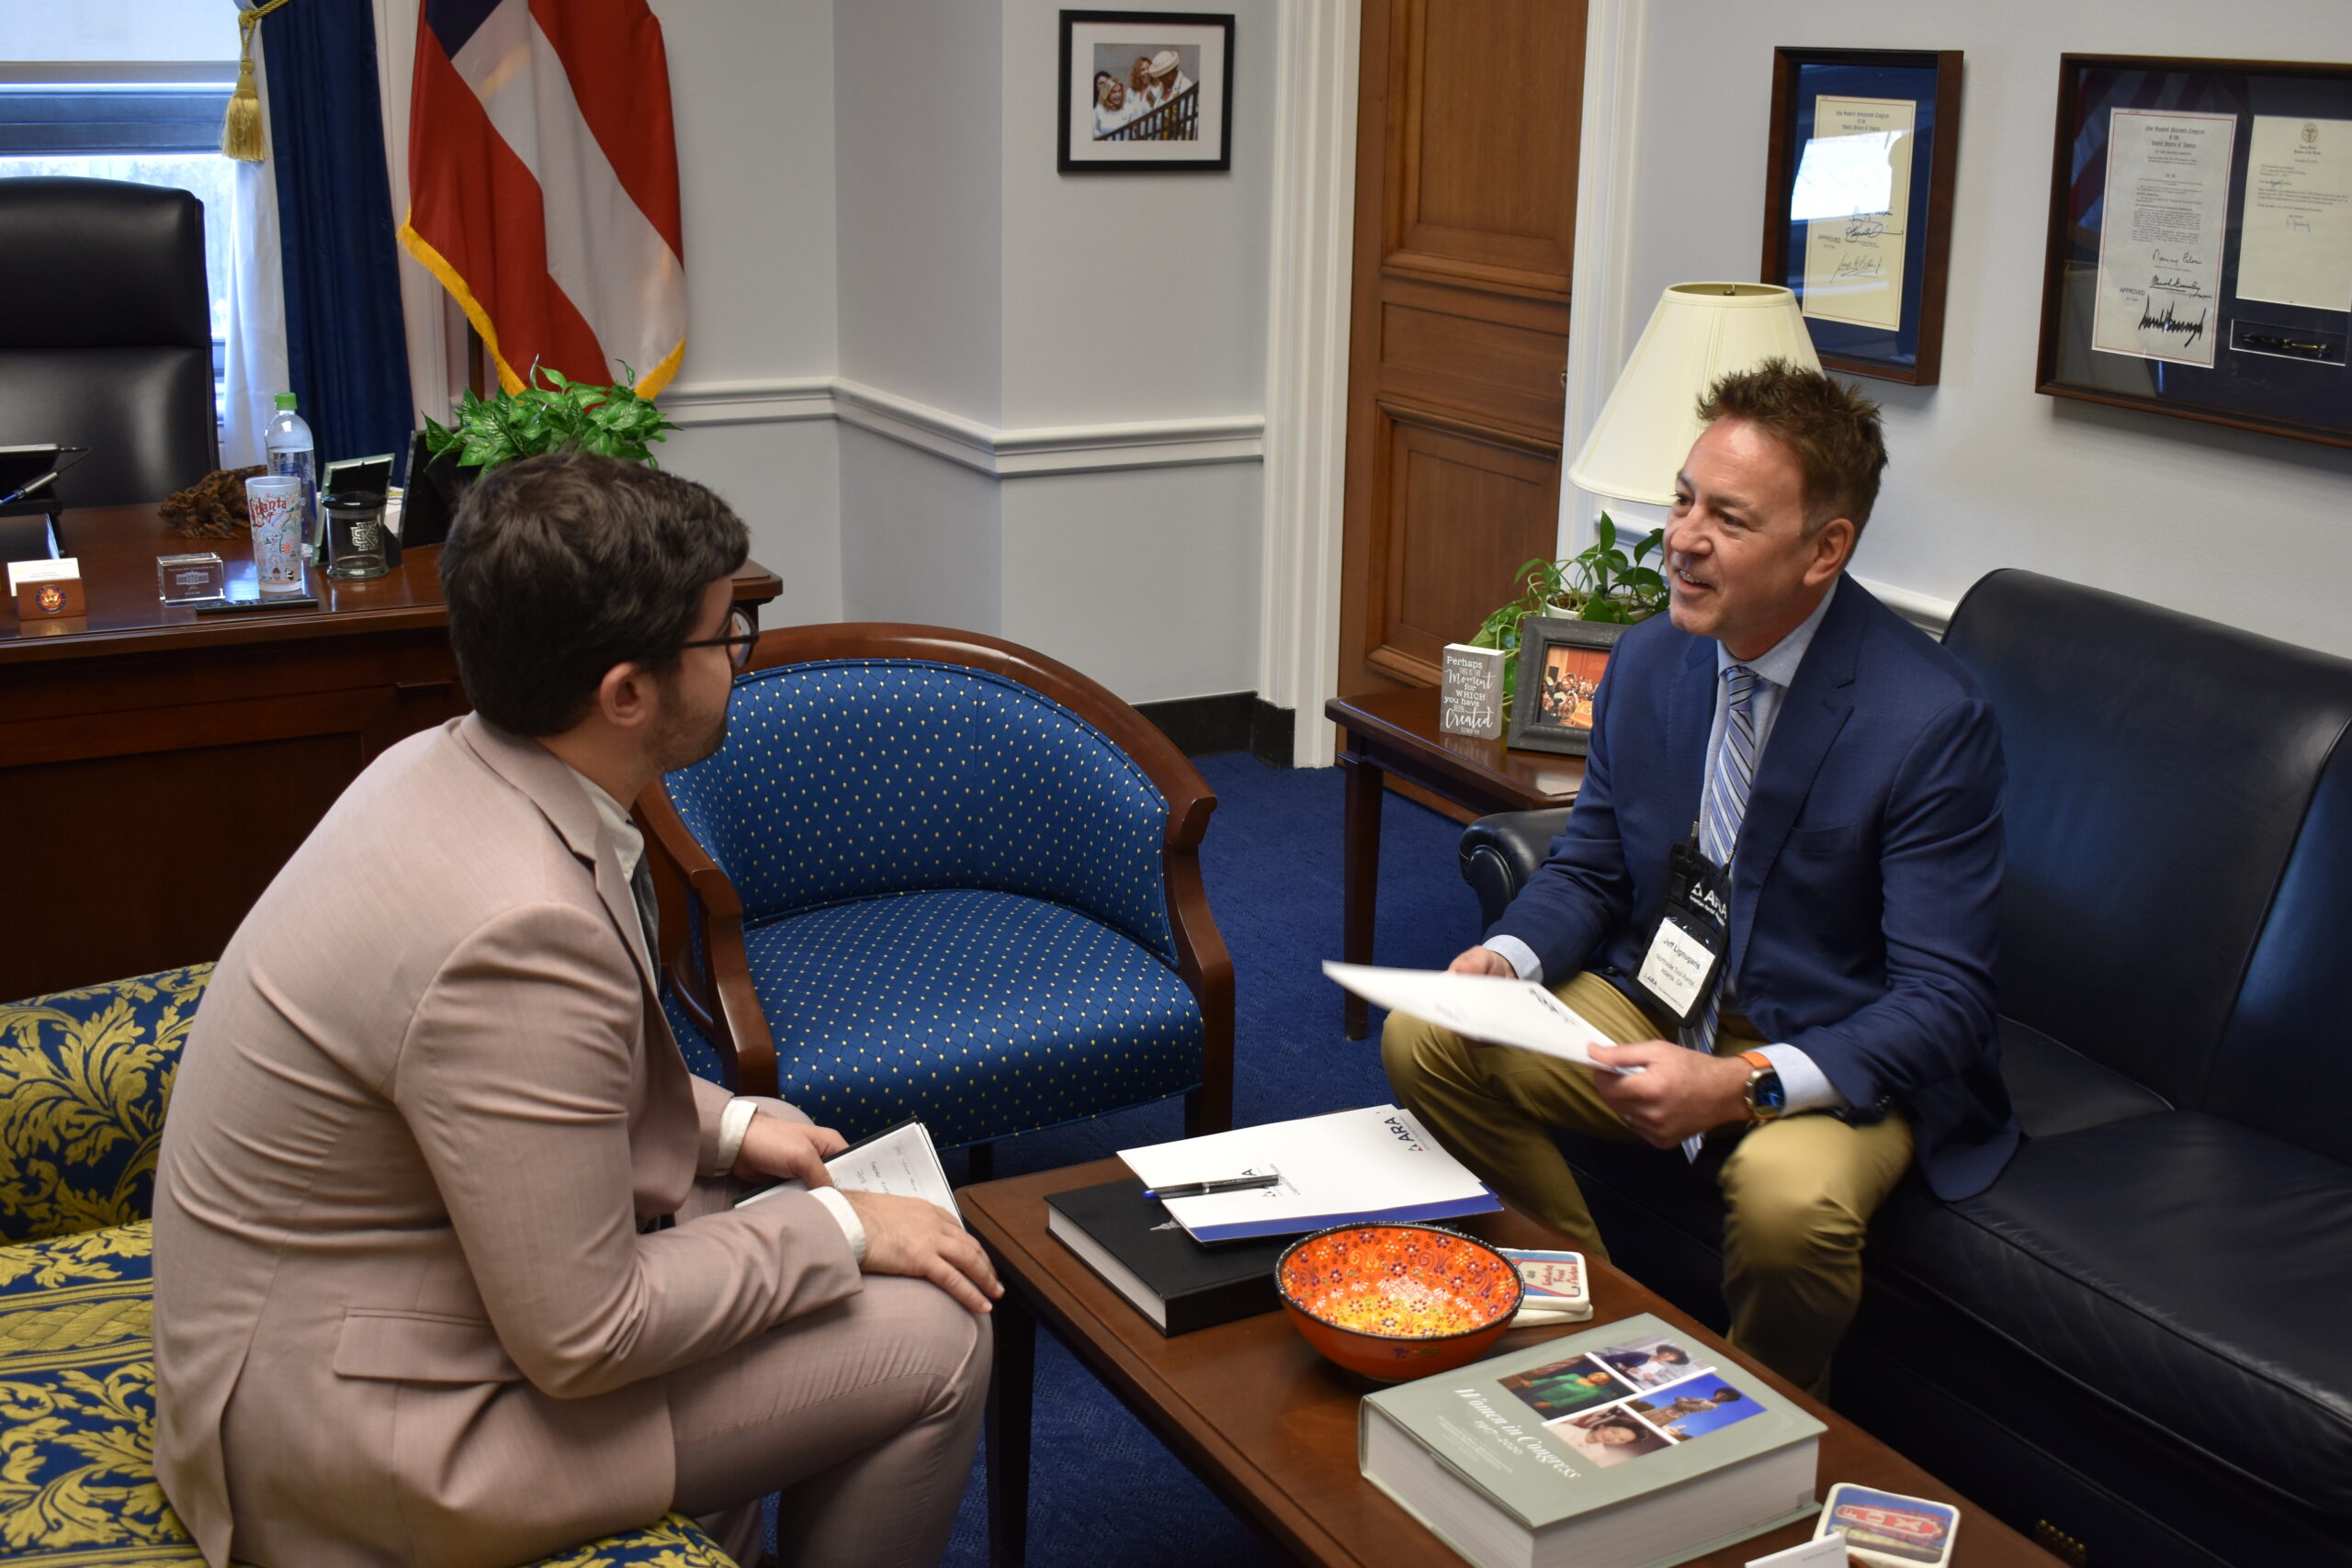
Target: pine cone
(213, 507)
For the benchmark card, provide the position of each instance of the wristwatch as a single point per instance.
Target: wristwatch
(1765, 1098)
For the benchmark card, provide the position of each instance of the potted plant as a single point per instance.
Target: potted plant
(563, 415)
(551, 413)
(1599, 583)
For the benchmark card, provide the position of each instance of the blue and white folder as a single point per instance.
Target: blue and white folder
(1377, 1163)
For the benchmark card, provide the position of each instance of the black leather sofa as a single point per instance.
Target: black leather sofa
(2139, 1340)
(105, 334)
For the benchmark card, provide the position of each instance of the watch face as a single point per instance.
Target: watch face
(1765, 1093)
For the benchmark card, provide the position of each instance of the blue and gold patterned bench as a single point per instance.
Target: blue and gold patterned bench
(84, 1079)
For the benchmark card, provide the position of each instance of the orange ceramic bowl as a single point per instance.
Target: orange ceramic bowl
(1395, 1300)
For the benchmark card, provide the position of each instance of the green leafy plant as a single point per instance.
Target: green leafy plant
(1599, 583)
(551, 413)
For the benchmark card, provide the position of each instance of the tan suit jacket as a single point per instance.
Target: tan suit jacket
(403, 1311)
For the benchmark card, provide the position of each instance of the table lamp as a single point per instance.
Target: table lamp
(1699, 333)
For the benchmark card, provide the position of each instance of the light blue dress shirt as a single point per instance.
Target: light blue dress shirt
(1804, 1085)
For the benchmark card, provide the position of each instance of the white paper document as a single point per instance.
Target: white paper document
(900, 1159)
(1478, 1007)
(2295, 240)
(2163, 222)
(1377, 1163)
(1853, 190)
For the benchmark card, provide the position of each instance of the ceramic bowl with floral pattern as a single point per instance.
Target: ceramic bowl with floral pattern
(1395, 1301)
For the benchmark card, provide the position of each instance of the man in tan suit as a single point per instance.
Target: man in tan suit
(445, 1267)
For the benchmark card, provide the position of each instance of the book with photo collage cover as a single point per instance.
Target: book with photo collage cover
(1622, 1447)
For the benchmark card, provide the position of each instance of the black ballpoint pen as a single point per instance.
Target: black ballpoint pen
(1203, 1188)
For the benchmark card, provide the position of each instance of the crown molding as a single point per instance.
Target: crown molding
(1018, 452)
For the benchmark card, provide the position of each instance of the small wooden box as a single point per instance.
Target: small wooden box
(48, 590)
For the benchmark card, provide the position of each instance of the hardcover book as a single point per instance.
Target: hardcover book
(1628, 1446)
(1146, 1256)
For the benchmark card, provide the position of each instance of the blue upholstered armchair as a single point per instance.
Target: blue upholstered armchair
(932, 873)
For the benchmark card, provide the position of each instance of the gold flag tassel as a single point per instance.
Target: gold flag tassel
(240, 135)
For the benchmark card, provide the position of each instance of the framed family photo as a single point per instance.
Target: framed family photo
(1145, 91)
(1560, 666)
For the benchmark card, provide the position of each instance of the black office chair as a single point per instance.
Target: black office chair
(105, 334)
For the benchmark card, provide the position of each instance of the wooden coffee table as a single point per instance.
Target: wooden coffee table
(1397, 732)
(1271, 1426)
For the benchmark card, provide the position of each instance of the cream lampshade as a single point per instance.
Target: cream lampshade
(1699, 332)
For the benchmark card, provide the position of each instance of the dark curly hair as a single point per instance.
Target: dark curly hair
(1829, 426)
(559, 567)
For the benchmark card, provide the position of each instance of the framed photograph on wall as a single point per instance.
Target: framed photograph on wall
(1859, 174)
(2199, 259)
(1560, 666)
(1145, 91)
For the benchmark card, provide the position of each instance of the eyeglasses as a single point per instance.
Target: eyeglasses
(742, 635)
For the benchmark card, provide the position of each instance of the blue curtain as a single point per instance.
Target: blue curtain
(345, 349)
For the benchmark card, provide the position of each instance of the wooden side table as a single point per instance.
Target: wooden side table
(1397, 732)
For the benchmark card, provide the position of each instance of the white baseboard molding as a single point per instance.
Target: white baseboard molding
(1019, 452)
(1929, 614)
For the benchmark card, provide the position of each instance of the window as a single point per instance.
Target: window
(153, 122)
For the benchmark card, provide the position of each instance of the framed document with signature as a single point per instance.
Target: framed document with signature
(2199, 260)
(1857, 202)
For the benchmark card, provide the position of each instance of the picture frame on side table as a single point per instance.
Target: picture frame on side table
(2199, 258)
(1858, 174)
(1560, 666)
(1145, 92)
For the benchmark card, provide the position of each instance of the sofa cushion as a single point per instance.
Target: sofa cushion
(84, 1078)
(77, 1420)
(2159, 769)
(2176, 1267)
(983, 1013)
(2057, 1089)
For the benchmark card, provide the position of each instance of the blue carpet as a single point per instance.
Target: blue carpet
(1102, 1489)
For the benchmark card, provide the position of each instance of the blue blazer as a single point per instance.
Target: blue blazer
(1867, 879)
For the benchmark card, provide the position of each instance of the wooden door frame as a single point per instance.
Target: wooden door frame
(1309, 313)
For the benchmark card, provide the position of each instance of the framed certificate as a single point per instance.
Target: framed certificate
(2199, 258)
(1857, 202)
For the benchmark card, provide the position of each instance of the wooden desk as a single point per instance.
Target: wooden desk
(1271, 1426)
(157, 767)
(1397, 732)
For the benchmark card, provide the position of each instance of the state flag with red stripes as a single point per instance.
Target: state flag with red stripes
(543, 183)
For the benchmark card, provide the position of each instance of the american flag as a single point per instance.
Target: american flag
(543, 183)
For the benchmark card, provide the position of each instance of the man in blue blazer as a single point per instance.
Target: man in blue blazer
(1777, 890)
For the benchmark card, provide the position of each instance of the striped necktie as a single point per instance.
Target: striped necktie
(649, 909)
(1722, 811)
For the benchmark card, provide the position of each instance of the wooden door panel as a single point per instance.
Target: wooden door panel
(1460, 508)
(1465, 224)
(1486, 140)
(1447, 348)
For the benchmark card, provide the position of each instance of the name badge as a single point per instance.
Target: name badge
(1685, 949)
(1678, 968)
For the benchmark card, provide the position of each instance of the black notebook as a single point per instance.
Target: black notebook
(1145, 1255)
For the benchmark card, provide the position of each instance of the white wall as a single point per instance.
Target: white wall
(751, 91)
(985, 295)
(1983, 471)
(919, 87)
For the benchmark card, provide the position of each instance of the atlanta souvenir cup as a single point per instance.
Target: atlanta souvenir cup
(275, 503)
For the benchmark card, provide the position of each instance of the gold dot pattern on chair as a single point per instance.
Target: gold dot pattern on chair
(845, 779)
(983, 1013)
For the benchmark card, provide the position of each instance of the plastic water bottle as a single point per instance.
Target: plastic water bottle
(287, 442)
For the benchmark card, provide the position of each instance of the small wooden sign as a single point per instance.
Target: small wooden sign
(1471, 702)
(46, 590)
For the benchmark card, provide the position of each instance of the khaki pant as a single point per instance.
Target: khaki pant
(1798, 1192)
